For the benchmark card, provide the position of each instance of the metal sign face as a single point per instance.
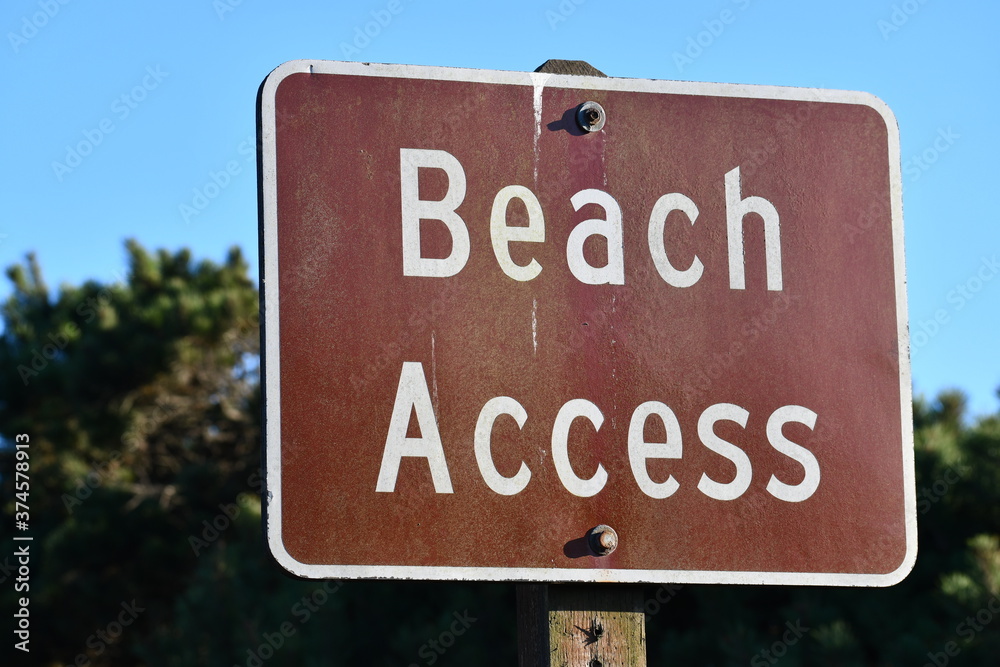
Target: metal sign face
(498, 317)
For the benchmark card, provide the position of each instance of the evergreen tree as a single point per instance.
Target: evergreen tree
(141, 400)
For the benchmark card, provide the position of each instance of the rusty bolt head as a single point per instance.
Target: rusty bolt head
(602, 540)
(590, 116)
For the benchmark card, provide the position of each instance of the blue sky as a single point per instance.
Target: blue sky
(164, 94)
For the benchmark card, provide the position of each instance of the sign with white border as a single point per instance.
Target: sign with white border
(490, 328)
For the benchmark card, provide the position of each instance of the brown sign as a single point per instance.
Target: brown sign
(503, 309)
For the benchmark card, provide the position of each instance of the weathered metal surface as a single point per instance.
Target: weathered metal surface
(343, 323)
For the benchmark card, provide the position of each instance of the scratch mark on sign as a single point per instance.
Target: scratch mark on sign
(604, 167)
(614, 373)
(434, 376)
(538, 80)
(534, 325)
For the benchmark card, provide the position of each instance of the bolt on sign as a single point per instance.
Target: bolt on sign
(539, 327)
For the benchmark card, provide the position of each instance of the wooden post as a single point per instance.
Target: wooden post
(578, 67)
(581, 625)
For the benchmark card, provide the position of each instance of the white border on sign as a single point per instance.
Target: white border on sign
(271, 351)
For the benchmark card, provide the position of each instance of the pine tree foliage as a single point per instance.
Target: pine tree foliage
(142, 399)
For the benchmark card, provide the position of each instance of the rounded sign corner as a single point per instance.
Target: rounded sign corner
(283, 71)
(900, 573)
(897, 575)
(288, 562)
(879, 106)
